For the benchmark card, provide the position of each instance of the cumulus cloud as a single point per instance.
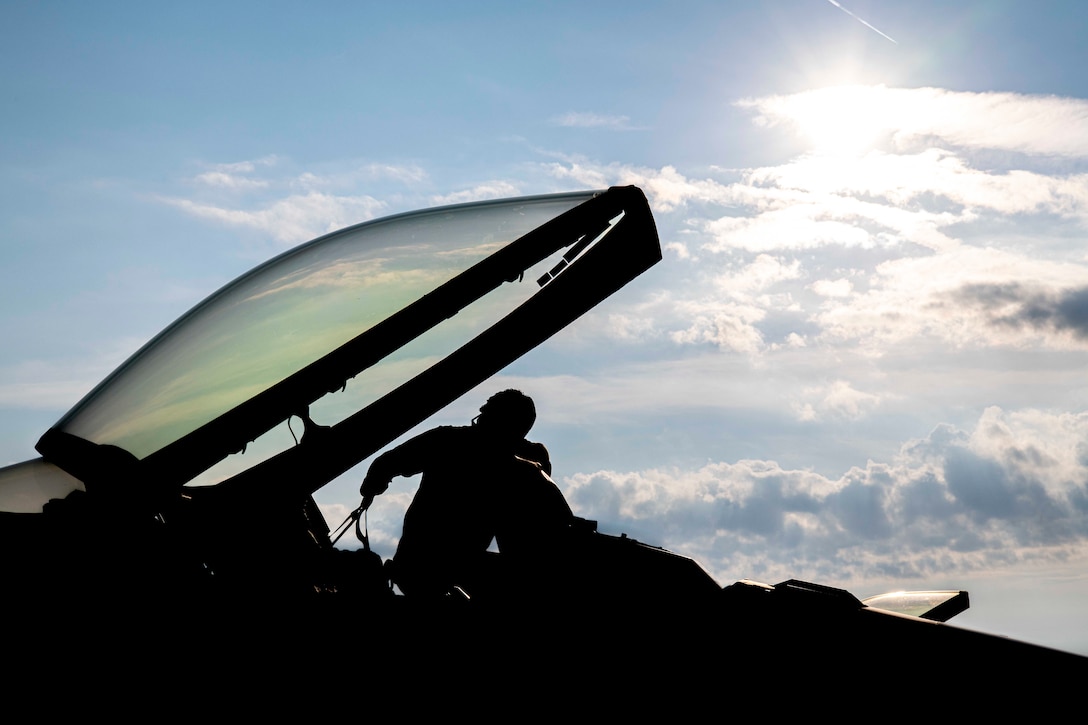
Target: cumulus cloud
(955, 501)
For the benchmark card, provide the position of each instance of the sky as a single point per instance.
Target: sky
(860, 362)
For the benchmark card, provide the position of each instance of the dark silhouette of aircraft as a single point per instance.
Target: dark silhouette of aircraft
(113, 541)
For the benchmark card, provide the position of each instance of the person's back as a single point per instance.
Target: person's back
(532, 513)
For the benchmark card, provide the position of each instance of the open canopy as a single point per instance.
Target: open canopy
(413, 310)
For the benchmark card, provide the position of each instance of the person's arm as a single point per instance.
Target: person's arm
(404, 460)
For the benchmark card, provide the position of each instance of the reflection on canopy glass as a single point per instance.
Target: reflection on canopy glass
(293, 310)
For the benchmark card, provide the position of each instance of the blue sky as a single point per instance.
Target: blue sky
(860, 363)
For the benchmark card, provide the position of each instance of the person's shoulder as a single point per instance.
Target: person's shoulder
(537, 453)
(529, 449)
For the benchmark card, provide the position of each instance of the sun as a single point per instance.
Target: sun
(841, 120)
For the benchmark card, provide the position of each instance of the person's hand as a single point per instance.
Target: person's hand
(372, 487)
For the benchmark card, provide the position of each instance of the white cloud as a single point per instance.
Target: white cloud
(630, 327)
(293, 219)
(832, 288)
(956, 501)
(235, 176)
(247, 166)
(764, 272)
(351, 178)
(935, 176)
(677, 248)
(1051, 449)
(575, 119)
(730, 326)
(1003, 121)
(967, 296)
(794, 226)
(491, 190)
(836, 400)
(665, 188)
(946, 250)
(230, 181)
(403, 173)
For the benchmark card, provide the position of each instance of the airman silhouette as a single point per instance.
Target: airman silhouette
(480, 482)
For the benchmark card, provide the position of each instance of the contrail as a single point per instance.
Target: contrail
(855, 17)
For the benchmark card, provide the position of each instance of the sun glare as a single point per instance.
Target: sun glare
(842, 121)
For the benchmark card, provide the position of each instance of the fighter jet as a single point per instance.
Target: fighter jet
(182, 486)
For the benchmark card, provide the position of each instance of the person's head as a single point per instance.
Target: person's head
(510, 413)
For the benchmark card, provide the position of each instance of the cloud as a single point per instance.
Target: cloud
(1032, 124)
(832, 288)
(575, 119)
(1014, 304)
(679, 249)
(291, 220)
(928, 241)
(762, 273)
(235, 176)
(248, 166)
(729, 326)
(351, 178)
(837, 400)
(728, 311)
(955, 501)
(229, 181)
(966, 297)
(492, 190)
(666, 189)
(933, 179)
(291, 206)
(790, 227)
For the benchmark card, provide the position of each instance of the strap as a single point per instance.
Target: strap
(357, 515)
